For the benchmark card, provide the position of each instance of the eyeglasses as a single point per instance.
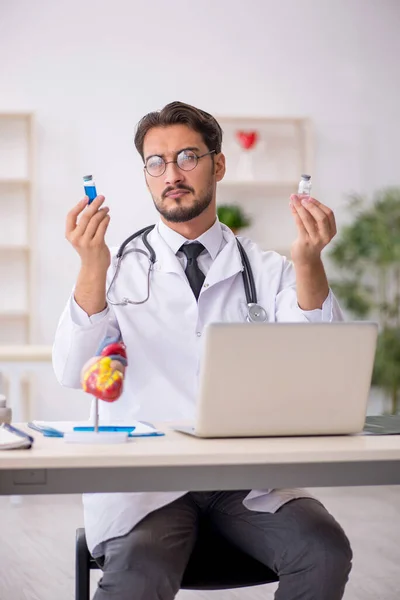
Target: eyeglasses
(186, 160)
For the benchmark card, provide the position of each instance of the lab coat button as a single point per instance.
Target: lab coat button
(198, 333)
(206, 285)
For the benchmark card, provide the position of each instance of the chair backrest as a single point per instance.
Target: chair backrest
(205, 570)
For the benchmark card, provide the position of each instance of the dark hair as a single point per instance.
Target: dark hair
(185, 114)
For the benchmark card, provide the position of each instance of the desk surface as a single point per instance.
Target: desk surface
(179, 449)
(178, 461)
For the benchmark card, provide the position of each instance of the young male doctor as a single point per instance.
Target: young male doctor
(144, 540)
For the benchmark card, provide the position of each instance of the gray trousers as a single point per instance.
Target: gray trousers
(301, 542)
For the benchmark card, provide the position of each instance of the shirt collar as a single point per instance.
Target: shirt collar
(211, 239)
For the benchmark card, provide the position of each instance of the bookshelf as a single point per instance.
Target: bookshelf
(261, 177)
(16, 227)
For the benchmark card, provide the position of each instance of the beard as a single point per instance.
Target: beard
(180, 213)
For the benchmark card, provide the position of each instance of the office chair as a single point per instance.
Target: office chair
(205, 570)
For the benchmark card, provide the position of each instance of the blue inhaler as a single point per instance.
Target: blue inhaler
(90, 187)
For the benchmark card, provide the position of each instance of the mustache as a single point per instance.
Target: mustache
(177, 187)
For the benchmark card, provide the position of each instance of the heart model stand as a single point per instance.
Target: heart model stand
(103, 377)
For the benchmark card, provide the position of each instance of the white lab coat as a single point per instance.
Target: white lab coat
(164, 341)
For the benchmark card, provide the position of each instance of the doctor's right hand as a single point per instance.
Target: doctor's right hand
(86, 227)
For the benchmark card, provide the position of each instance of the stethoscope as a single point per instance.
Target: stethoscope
(255, 312)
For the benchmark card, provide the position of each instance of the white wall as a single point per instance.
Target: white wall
(90, 70)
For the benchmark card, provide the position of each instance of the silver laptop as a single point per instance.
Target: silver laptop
(284, 379)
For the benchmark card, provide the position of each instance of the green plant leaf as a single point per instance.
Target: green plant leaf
(386, 372)
(374, 236)
(233, 216)
(355, 298)
(367, 256)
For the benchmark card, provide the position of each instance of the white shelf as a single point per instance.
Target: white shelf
(14, 314)
(261, 181)
(16, 115)
(14, 181)
(25, 353)
(259, 184)
(14, 247)
(242, 120)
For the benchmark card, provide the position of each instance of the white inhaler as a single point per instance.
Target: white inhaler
(305, 185)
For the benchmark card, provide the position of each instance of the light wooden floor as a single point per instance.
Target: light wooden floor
(37, 546)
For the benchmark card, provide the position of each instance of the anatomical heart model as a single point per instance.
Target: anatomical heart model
(103, 374)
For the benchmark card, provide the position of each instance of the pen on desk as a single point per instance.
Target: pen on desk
(106, 428)
(46, 431)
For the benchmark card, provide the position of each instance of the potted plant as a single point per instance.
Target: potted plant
(233, 216)
(367, 254)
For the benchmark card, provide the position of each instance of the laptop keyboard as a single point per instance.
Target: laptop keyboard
(383, 424)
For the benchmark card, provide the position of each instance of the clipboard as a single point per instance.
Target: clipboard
(59, 428)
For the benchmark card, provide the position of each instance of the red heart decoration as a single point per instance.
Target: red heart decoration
(247, 139)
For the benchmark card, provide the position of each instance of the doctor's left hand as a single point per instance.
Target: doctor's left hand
(316, 227)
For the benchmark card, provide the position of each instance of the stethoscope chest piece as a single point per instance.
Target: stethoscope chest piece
(256, 313)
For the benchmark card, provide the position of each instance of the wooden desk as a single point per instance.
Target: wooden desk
(180, 462)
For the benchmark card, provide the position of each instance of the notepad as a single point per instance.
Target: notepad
(12, 438)
(382, 425)
(58, 428)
